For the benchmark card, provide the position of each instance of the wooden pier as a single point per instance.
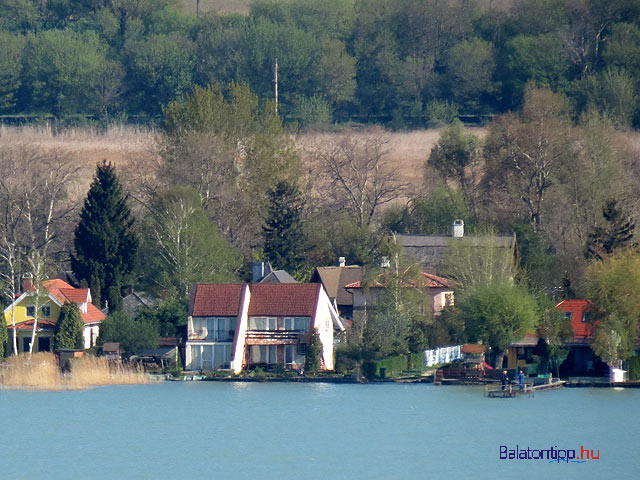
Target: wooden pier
(514, 390)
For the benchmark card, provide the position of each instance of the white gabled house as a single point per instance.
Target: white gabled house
(239, 326)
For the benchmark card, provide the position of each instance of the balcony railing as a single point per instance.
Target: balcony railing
(273, 336)
(212, 336)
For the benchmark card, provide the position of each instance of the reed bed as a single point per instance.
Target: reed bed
(41, 371)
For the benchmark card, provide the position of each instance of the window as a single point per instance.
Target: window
(26, 343)
(31, 311)
(448, 299)
(44, 344)
(263, 354)
(568, 315)
(263, 323)
(586, 317)
(300, 324)
(46, 310)
(210, 357)
(290, 353)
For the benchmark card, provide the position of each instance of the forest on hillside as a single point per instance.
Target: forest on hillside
(404, 63)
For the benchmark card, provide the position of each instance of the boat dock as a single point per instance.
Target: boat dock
(514, 390)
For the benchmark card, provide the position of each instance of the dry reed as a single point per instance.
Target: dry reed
(41, 371)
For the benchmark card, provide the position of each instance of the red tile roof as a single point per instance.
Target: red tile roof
(65, 293)
(284, 299)
(215, 299)
(42, 325)
(582, 330)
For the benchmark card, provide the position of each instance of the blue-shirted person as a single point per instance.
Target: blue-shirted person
(521, 380)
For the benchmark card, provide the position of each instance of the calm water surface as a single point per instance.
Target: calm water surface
(311, 431)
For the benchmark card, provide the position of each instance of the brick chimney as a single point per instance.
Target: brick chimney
(27, 282)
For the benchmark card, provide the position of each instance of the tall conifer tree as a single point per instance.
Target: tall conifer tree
(106, 246)
(284, 239)
(69, 329)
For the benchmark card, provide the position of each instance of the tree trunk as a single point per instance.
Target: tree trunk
(499, 359)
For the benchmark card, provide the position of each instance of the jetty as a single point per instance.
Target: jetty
(514, 390)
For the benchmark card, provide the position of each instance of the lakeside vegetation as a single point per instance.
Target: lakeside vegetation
(41, 371)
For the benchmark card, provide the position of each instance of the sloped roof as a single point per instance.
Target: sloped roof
(277, 276)
(335, 279)
(283, 299)
(430, 250)
(42, 325)
(215, 300)
(432, 281)
(582, 330)
(64, 293)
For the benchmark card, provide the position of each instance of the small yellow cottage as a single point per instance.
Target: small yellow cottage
(56, 293)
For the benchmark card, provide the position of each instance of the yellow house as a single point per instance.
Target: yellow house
(56, 293)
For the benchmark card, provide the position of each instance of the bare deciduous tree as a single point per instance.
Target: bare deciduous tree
(357, 173)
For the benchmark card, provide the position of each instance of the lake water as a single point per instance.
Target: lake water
(218, 430)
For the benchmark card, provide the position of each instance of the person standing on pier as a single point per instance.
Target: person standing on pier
(521, 380)
(503, 379)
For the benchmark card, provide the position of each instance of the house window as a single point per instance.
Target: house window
(448, 299)
(263, 354)
(263, 323)
(44, 344)
(46, 310)
(26, 343)
(568, 315)
(210, 357)
(586, 317)
(299, 324)
(31, 310)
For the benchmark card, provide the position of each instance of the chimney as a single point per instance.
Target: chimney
(384, 263)
(457, 229)
(342, 261)
(27, 282)
(257, 271)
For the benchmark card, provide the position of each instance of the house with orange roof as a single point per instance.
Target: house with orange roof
(55, 294)
(243, 326)
(439, 291)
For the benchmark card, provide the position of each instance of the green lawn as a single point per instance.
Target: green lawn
(218, 6)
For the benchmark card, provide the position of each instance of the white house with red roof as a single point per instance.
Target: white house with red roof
(438, 289)
(55, 294)
(239, 326)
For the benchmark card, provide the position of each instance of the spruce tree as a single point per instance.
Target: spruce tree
(105, 243)
(284, 239)
(617, 232)
(69, 328)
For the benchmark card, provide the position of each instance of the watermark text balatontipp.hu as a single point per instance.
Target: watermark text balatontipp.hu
(550, 454)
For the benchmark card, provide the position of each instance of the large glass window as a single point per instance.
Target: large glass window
(196, 357)
(300, 324)
(207, 357)
(210, 357)
(263, 323)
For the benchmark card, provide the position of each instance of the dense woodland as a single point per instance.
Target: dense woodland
(405, 63)
(555, 82)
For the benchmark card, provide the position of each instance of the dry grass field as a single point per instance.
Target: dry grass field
(134, 150)
(217, 6)
(41, 371)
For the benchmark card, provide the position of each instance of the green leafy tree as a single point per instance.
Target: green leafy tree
(613, 284)
(181, 246)
(284, 236)
(10, 69)
(132, 335)
(106, 245)
(498, 314)
(457, 157)
(168, 315)
(69, 329)
(61, 71)
(313, 358)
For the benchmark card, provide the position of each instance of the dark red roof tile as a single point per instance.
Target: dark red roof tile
(215, 299)
(284, 299)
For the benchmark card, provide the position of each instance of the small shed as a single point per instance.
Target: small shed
(111, 351)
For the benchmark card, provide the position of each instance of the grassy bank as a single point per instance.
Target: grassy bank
(41, 371)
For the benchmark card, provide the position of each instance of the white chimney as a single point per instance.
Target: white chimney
(384, 263)
(457, 229)
(342, 261)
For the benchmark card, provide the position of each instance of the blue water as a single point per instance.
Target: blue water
(311, 431)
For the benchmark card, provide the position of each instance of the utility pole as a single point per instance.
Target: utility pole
(275, 83)
(197, 8)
